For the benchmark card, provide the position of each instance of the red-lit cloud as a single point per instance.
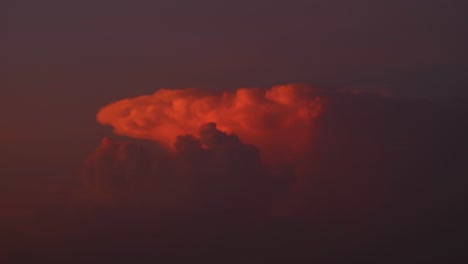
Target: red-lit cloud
(281, 116)
(371, 168)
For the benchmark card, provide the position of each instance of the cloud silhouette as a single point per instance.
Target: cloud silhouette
(214, 172)
(379, 180)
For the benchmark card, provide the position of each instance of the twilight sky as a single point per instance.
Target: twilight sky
(59, 54)
(63, 60)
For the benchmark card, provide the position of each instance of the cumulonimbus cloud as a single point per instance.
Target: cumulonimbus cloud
(211, 170)
(281, 116)
(378, 173)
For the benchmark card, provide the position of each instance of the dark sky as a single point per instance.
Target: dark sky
(62, 60)
(85, 48)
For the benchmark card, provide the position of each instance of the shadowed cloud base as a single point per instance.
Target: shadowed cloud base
(361, 178)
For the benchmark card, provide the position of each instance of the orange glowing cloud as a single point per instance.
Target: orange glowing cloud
(278, 119)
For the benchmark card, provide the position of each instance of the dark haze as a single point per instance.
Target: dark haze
(383, 181)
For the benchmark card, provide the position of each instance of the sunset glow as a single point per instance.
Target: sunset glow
(260, 117)
(220, 132)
